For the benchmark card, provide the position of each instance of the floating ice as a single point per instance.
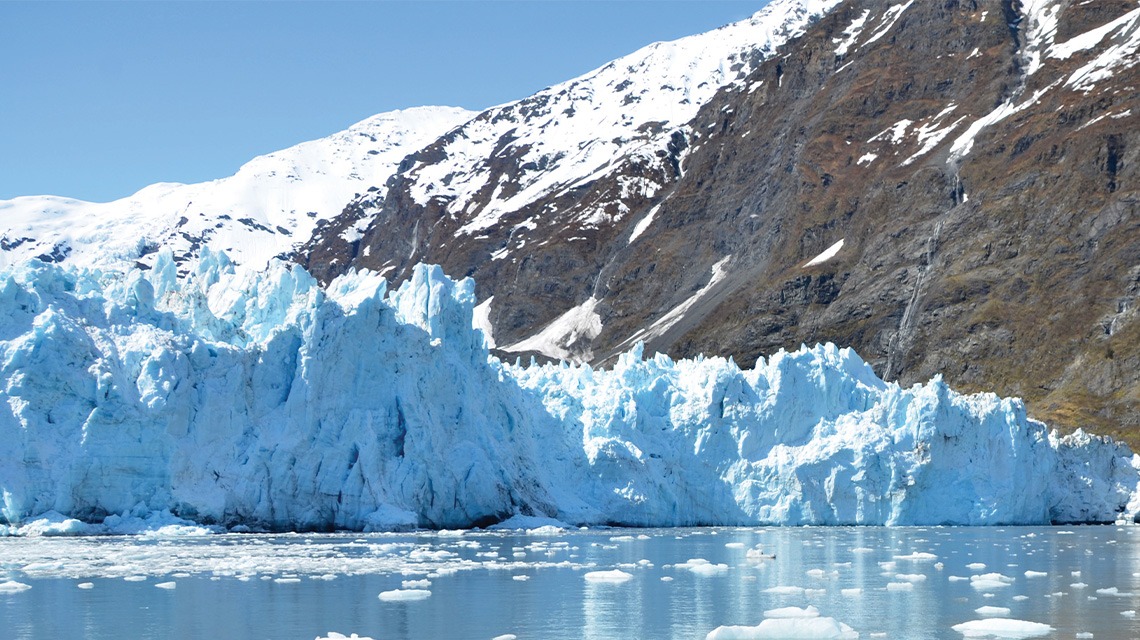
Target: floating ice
(404, 595)
(332, 635)
(166, 585)
(1004, 628)
(86, 585)
(918, 556)
(987, 581)
(787, 623)
(993, 612)
(1036, 574)
(11, 586)
(703, 567)
(613, 575)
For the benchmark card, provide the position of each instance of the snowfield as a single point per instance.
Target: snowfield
(255, 398)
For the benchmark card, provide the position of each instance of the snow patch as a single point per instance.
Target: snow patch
(567, 336)
(851, 34)
(893, 13)
(827, 254)
(481, 320)
(643, 224)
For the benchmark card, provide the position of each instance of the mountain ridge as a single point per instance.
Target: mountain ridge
(976, 158)
(271, 203)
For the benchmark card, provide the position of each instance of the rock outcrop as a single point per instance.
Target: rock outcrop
(976, 159)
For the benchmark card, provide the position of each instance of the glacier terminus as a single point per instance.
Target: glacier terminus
(254, 399)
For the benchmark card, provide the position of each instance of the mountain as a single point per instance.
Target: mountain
(272, 203)
(258, 399)
(528, 192)
(947, 187)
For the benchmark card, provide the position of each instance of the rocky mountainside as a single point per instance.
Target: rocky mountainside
(272, 203)
(946, 186)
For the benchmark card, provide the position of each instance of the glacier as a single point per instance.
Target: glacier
(229, 397)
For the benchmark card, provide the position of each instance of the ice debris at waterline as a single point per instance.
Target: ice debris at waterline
(785, 623)
(260, 399)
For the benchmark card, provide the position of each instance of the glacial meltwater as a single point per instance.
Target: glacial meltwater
(914, 583)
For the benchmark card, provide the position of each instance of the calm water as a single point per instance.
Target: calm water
(246, 586)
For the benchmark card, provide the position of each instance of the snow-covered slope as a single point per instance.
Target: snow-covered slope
(497, 180)
(238, 397)
(566, 135)
(271, 204)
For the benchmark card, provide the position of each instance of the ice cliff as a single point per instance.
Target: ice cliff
(259, 398)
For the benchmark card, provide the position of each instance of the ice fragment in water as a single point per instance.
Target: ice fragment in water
(404, 595)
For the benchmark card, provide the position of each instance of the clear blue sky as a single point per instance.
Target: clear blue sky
(98, 100)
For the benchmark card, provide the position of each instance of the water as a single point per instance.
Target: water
(302, 586)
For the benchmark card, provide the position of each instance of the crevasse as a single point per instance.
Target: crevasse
(261, 399)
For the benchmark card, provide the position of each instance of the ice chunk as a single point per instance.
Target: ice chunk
(166, 585)
(11, 586)
(332, 635)
(703, 567)
(404, 595)
(987, 581)
(789, 627)
(1004, 628)
(918, 556)
(992, 612)
(613, 576)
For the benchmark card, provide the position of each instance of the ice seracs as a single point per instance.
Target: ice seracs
(259, 399)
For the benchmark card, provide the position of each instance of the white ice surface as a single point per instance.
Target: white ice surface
(612, 575)
(1004, 628)
(146, 402)
(788, 623)
(404, 595)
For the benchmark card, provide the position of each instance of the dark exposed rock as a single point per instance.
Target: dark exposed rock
(1013, 268)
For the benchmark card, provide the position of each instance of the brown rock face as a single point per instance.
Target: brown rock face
(978, 165)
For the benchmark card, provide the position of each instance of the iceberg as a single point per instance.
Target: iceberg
(261, 400)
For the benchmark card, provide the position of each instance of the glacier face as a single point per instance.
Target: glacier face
(258, 398)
